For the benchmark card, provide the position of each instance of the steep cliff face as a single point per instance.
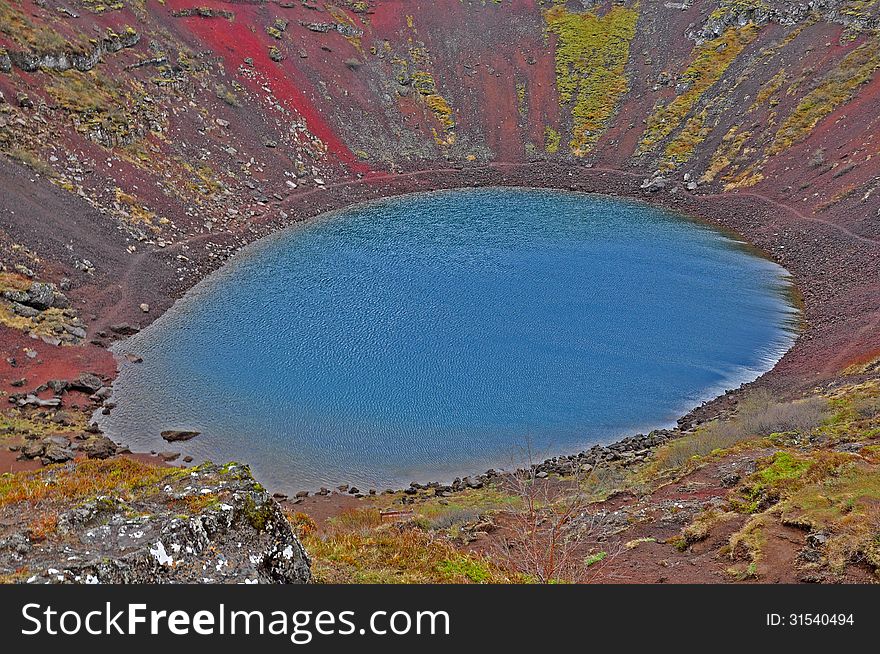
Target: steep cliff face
(735, 93)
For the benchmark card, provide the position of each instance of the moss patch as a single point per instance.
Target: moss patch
(591, 56)
(835, 89)
(709, 63)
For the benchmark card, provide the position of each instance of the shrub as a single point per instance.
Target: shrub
(758, 416)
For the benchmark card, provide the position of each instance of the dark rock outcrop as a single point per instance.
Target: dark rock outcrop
(212, 524)
(81, 60)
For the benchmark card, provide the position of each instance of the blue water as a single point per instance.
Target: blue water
(430, 336)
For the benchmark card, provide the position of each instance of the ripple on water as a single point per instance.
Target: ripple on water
(435, 335)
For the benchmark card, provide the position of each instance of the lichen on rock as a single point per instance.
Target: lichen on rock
(118, 521)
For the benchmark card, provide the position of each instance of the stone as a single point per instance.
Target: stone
(56, 450)
(33, 400)
(179, 435)
(730, 480)
(99, 447)
(817, 539)
(87, 382)
(41, 296)
(169, 456)
(655, 184)
(24, 311)
(243, 537)
(145, 307)
(124, 329)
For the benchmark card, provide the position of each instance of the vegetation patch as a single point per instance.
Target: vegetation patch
(40, 38)
(592, 52)
(710, 61)
(758, 417)
(358, 548)
(837, 88)
(83, 480)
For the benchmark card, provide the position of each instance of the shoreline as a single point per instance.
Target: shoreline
(744, 376)
(737, 215)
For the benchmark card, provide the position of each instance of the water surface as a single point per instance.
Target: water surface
(435, 335)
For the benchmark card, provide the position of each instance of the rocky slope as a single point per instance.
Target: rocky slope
(178, 132)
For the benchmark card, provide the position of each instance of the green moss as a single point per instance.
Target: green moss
(783, 467)
(837, 88)
(591, 56)
(552, 140)
(257, 516)
(474, 570)
(709, 63)
(593, 559)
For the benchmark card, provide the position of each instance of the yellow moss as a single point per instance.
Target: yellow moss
(746, 179)
(552, 139)
(136, 211)
(710, 61)
(730, 147)
(682, 147)
(591, 56)
(521, 98)
(441, 109)
(341, 17)
(768, 90)
(424, 83)
(837, 88)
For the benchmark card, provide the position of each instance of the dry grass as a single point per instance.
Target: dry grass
(758, 416)
(358, 548)
(82, 480)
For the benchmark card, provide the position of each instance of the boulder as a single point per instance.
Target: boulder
(99, 447)
(124, 329)
(159, 537)
(179, 435)
(40, 295)
(87, 382)
(655, 184)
